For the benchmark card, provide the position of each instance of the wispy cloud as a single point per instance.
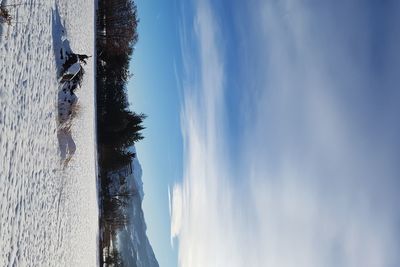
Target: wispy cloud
(315, 171)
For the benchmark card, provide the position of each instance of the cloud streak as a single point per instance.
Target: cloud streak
(315, 170)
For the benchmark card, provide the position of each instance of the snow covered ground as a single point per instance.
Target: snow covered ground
(48, 215)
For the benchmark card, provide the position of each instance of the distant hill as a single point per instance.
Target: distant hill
(132, 240)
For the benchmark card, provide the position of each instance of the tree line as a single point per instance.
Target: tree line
(118, 127)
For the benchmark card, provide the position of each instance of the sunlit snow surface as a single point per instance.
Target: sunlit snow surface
(48, 216)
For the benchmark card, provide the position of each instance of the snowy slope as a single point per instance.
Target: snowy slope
(48, 215)
(133, 242)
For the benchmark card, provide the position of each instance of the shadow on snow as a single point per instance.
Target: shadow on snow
(69, 75)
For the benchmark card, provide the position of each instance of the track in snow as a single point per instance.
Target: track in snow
(48, 216)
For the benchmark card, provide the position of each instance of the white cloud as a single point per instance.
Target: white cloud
(319, 183)
(176, 206)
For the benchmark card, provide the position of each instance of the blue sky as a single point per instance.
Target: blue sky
(275, 124)
(153, 90)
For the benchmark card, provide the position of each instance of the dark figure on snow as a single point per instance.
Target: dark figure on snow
(83, 58)
(5, 15)
(72, 58)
